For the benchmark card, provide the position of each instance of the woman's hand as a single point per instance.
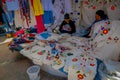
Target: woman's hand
(70, 29)
(63, 27)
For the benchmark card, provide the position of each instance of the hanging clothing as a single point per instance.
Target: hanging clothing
(68, 6)
(25, 10)
(38, 11)
(48, 17)
(48, 14)
(58, 12)
(19, 22)
(1, 12)
(76, 12)
(9, 14)
(32, 20)
(113, 12)
(37, 7)
(12, 5)
(40, 26)
(47, 5)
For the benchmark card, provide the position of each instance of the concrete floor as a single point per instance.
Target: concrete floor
(13, 65)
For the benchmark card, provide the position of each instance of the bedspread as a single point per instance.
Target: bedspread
(66, 53)
(76, 56)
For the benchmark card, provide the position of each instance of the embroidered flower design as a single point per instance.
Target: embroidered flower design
(94, 7)
(86, 2)
(80, 76)
(116, 39)
(85, 59)
(91, 64)
(105, 31)
(27, 48)
(40, 53)
(74, 59)
(112, 7)
(108, 40)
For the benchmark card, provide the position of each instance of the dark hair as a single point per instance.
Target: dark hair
(102, 14)
(66, 16)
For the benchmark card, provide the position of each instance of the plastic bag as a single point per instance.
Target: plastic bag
(109, 70)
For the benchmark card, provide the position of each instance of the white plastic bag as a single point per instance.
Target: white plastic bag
(109, 70)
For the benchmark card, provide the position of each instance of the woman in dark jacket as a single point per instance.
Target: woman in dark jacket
(67, 26)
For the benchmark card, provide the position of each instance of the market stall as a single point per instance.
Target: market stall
(65, 55)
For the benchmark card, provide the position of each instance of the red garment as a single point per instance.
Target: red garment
(32, 3)
(40, 25)
(3, 0)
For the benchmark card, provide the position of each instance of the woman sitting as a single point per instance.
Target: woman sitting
(99, 16)
(67, 26)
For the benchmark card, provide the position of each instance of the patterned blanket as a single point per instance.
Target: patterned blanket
(76, 56)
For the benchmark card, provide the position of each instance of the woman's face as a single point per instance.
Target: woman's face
(67, 20)
(97, 17)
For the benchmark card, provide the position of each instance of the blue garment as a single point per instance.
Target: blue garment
(10, 16)
(12, 5)
(7, 26)
(97, 77)
(48, 17)
(45, 35)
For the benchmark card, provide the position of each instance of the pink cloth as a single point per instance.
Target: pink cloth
(40, 25)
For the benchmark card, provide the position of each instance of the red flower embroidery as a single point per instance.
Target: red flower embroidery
(112, 7)
(92, 64)
(74, 59)
(105, 31)
(40, 53)
(27, 48)
(80, 76)
(86, 2)
(109, 38)
(94, 7)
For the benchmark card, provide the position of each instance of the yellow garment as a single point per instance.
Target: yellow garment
(37, 6)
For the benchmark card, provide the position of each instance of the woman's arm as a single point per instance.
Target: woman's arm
(62, 26)
(73, 28)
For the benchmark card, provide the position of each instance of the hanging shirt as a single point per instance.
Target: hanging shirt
(37, 7)
(47, 5)
(68, 6)
(76, 12)
(40, 25)
(48, 17)
(9, 14)
(58, 12)
(12, 5)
